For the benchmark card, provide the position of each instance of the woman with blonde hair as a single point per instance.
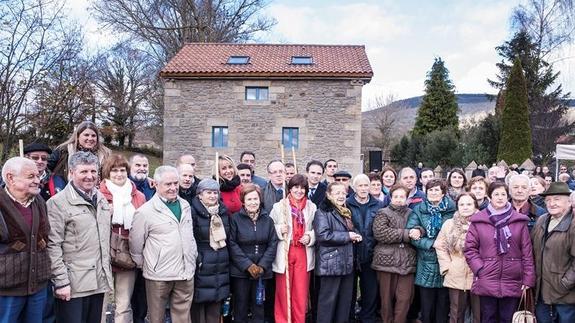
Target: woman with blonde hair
(230, 183)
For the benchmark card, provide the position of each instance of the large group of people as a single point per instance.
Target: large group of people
(83, 230)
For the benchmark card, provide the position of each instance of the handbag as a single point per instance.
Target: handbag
(120, 251)
(526, 315)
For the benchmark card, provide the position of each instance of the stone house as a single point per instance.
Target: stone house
(235, 97)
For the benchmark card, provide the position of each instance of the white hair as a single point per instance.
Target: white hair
(162, 170)
(14, 166)
(516, 177)
(360, 178)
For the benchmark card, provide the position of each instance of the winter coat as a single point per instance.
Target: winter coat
(270, 197)
(252, 243)
(412, 200)
(212, 282)
(189, 193)
(334, 248)
(392, 252)
(363, 224)
(231, 199)
(278, 215)
(319, 193)
(555, 260)
(452, 265)
(161, 245)
(79, 242)
(499, 275)
(144, 187)
(427, 274)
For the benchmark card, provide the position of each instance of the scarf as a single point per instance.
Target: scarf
(344, 212)
(217, 231)
(455, 238)
(500, 219)
(228, 186)
(297, 208)
(123, 209)
(435, 221)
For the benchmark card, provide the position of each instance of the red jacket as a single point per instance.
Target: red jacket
(231, 199)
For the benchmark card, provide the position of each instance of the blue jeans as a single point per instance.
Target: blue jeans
(557, 313)
(24, 309)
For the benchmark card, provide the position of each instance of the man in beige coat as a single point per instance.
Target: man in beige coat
(79, 243)
(162, 243)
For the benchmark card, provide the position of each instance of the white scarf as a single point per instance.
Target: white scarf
(123, 212)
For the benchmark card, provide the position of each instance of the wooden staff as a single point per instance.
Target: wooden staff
(287, 214)
(294, 160)
(21, 145)
(217, 168)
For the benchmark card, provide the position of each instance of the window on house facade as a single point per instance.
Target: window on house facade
(290, 137)
(219, 137)
(301, 60)
(238, 60)
(258, 93)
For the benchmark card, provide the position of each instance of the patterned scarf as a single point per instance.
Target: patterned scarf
(455, 238)
(344, 212)
(434, 224)
(500, 219)
(297, 208)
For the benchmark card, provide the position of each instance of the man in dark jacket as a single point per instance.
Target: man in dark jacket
(363, 209)
(50, 184)
(554, 249)
(24, 230)
(520, 189)
(408, 178)
(316, 192)
(273, 191)
(188, 182)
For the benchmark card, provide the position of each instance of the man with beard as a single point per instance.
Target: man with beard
(188, 182)
(139, 170)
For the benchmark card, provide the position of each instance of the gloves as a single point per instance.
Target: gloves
(255, 271)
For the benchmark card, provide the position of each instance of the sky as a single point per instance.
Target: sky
(402, 39)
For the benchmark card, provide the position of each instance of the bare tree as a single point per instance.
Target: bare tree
(379, 128)
(33, 39)
(165, 25)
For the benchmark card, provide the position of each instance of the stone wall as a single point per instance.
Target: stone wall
(327, 113)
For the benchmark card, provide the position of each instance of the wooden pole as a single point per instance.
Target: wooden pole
(294, 160)
(21, 145)
(217, 167)
(287, 215)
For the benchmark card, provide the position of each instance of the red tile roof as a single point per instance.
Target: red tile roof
(269, 60)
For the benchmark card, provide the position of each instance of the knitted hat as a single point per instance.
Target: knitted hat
(208, 184)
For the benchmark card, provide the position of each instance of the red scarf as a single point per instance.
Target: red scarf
(297, 207)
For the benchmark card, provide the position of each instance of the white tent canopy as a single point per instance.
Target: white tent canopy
(563, 152)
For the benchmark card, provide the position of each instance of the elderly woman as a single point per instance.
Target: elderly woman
(335, 236)
(394, 257)
(375, 187)
(538, 185)
(253, 243)
(211, 231)
(456, 183)
(478, 186)
(230, 184)
(84, 138)
(388, 179)
(124, 198)
(457, 276)
(498, 251)
(428, 217)
(293, 218)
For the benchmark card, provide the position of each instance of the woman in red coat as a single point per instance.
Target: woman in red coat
(124, 199)
(230, 184)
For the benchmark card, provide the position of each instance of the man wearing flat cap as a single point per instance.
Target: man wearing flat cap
(554, 248)
(49, 184)
(345, 178)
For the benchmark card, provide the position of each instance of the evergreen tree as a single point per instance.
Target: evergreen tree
(515, 143)
(438, 110)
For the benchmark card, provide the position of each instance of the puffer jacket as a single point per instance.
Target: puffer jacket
(392, 252)
(452, 265)
(334, 248)
(363, 224)
(79, 243)
(499, 275)
(252, 243)
(161, 245)
(427, 274)
(555, 260)
(212, 282)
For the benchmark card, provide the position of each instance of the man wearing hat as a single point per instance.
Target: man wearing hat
(49, 184)
(554, 248)
(345, 178)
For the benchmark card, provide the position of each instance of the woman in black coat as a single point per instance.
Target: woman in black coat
(335, 236)
(211, 231)
(253, 242)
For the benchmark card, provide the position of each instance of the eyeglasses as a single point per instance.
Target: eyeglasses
(34, 157)
(344, 179)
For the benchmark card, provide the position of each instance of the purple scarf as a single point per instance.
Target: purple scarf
(500, 219)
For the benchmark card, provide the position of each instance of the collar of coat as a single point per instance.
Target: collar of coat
(75, 198)
(563, 225)
(161, 208)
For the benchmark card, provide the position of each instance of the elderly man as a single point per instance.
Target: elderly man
(188, 182)
(520, 190)
(24, 229)
(79, 243)
(162, 244)
(554, 249)
(408, 178)
(139, 170)
(274, 189)
(345, 178)
(49, 184)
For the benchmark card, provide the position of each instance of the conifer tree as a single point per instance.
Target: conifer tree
(515, 144)
(438, 111)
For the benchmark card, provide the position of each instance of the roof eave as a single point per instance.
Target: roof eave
(365, 76)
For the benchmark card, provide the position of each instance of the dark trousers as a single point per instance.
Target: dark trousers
(369, 292)
(244, 291)
(49, 316)
(460, 301)
(415, 307)
(270, 300)
(86, 309)
(334, 299)
(434, 304)
(206, 312)
(138, 301)
(498, 310)
(557, 313)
